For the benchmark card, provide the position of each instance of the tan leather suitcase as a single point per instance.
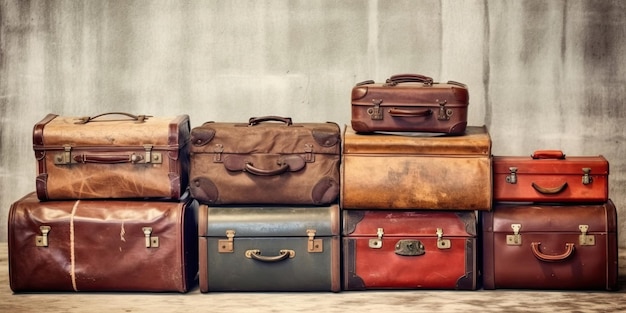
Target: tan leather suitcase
(410, 102)
(269, 160)
(102, 245)
(388, 171)
(112, 155)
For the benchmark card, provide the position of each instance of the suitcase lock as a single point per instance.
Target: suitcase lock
(444, 114)
(516, 238)
(442, 243)
(512, 178)
(586, 177)
(226, 245)
(314, 245)
(378, 242)
(151, 241)
(42, 241)
(583, 238)
(409, 247)
(376, 113)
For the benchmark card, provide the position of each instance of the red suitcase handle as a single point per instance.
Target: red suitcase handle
(549, 191)
(548, 154)
(569, 249)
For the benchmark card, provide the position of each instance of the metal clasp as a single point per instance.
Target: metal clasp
(226, 245)
(151, 242)
(376, 113)
(217, 157)
(516, 238)
(314, 245)
(42, 241)
(444, 114)
(587, 179)
(64, 157)
(308, 153)
(152, 157)
(442, 243)
(583, 238)
(378, 242)
(512, 177)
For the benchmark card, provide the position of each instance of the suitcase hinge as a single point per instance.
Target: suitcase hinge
(583, 238)
(151, 241)
(217, 157)
(516, 238)
(226, 245)
(314, 245)
(512, 178)
(42, 241)
(587, 179)
(309, 156)
(378, 242)
(442, 243)
(376, 113)
(444, 114)
(64, 157)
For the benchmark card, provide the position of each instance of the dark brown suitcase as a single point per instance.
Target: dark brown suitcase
(409, 250)
(550, 176)
(112, 155)
(269, 160)
(572, 246)
(273, 248)
(412, 103)
(105, 245)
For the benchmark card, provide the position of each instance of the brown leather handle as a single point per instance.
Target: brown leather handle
(282, 255)
(108, 159)
(569, 249)
(410, 113)
(136, 118)
(549, 191)
(256, 120)
(548, 154)
(249, 167)
(410, 78)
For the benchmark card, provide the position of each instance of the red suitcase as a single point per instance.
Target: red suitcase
(571, 246)
(409, 250)
(550, 176)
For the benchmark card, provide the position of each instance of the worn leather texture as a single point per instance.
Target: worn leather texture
(107, 157)
(267, 162)
(407, 105)
(551, 179)
(100, 245)
(270, 230)
(388, 171)
(408, 256)
(559, 261)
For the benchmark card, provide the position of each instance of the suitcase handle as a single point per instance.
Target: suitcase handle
(282, 255)
(136, 118)
(409, 78)
(549, 191)
(262, 172)
(256, 120)
(289, 163)
(569, 249)
(108, 159)
(410, 113)
(548, 154)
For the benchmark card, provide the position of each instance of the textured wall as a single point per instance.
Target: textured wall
(542, 74)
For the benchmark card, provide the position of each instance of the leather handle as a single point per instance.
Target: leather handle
(263, 172)
(256, 120)
(282, 255)
(108, 159)
(569, 249)
(548, 154)
(136, 118)
(549, 191)
(410, 113)
(410, 78)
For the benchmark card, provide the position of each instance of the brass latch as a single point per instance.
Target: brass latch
(151, 242)
(378, 242)
(512, 177)
(376, 113)
(42, 241)
(314, 245)
(442, 243)
(516, 238)
(226, 245)
(64, 157)
(152, 157)
(444, 114)
(308, 153)
(587, 179)
(583, 238)
(217, 157)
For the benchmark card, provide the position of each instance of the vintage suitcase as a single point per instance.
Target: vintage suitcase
(550, 246)
(385, 171)
(102, 245)
(550, 176)
(112, 155)
(274, 248)
(409, 102)
(269, 160)
(409, 250)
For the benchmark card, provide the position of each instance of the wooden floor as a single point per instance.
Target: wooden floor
(369, 301)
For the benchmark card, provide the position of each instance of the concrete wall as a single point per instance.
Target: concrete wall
(541, 74)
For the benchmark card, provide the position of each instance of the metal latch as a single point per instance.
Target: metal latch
(308, 153)
(587, 179)
(512, 177)
(516, 238)
(378, 242)
(152, 157)
(376, 113)
(442, 243)
(583, 238)
(226, 245)
(151, 242)
(314, 245)
(219, 148)
(444, 114)
(42, 241)
(64, 157)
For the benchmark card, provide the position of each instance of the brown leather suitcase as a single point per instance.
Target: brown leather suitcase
(102, 245)
(385, 171)
(550, 246)
(550, 176)
(112, 155)
(409, 250)
(409, 102)
(273, 248)
(269, 160)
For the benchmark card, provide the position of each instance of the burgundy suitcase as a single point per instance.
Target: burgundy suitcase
(410, 103)
(102, 245)
(409, 250)
(528, 246)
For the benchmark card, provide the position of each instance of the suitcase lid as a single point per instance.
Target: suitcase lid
(546, 218)
(269, 221)
(366, 223)
(269, 134)
(476, 141)
(551, 162)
